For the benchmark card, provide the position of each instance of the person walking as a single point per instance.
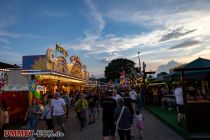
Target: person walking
(91, 108)
(138, 102)
(58, 112)
(155, 95)
(47, 115)
(67, 102)
(108, 108)
(4, 118)
(139, 123)
(82, 106)
(123, 120)
(133, 96)
(128, 103)
(180, 103)
(32, 117)
(116, 96)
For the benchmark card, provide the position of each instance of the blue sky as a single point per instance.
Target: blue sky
(101, 30)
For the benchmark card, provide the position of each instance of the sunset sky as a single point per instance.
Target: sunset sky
(101, 30)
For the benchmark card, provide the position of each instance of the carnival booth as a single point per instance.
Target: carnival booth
(195, 78)
(56, 71)
(13, 90)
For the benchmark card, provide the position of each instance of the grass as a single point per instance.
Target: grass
(169, 118)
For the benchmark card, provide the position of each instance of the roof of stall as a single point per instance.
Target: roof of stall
(196, 65)
(197, 68)
(6, 66)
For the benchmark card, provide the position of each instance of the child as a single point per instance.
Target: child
(139, 123)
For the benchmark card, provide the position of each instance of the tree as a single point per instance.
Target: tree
(104, 80)
(137, 69)
(112, 71)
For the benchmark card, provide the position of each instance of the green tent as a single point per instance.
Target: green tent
(198, 68)
(198, 64)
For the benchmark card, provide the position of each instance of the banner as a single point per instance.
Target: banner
(61, 50)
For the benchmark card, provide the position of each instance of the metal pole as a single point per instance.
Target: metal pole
(139, 62)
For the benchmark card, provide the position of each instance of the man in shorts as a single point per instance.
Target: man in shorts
(108, 105)
(180, 103)
(58, 111)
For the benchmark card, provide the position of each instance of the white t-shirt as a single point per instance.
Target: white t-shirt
(179, 96)
(116, 97)
(139, 117)
(58, 106)
(133, 95)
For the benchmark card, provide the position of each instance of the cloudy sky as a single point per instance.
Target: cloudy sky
(101, 30)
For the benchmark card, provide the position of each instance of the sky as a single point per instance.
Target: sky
(99, 31)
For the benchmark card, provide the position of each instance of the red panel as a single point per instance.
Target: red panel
(17, 103)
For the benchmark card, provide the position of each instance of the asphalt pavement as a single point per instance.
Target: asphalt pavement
(154, 129)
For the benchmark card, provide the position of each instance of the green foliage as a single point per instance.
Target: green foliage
(104, 80)
(112, 71)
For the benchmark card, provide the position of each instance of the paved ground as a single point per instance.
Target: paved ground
(154, 129)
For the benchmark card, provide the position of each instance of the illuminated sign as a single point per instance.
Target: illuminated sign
(61, 50)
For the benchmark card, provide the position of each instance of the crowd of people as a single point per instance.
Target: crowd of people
(118, 108)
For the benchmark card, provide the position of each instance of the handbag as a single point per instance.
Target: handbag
(118, 119)
(45, 116)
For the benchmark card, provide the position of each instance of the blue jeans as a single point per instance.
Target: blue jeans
(32, 123)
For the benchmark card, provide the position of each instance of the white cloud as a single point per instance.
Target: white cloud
(95, 15)
(167, 28)
(166, 67)
(190, 24)
(10, 57)
(9, 34)
(5, 36)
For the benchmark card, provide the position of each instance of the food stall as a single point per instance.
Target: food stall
(14, 90)
(195, 78)
(56, 71)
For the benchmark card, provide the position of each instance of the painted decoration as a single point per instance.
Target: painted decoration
(52, 62)
(32, 87)
(61, 65)
(1, 83)
(75, 60)
(50, 55)
(37, 62)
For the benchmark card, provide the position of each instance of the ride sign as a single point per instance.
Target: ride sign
(61, 50)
